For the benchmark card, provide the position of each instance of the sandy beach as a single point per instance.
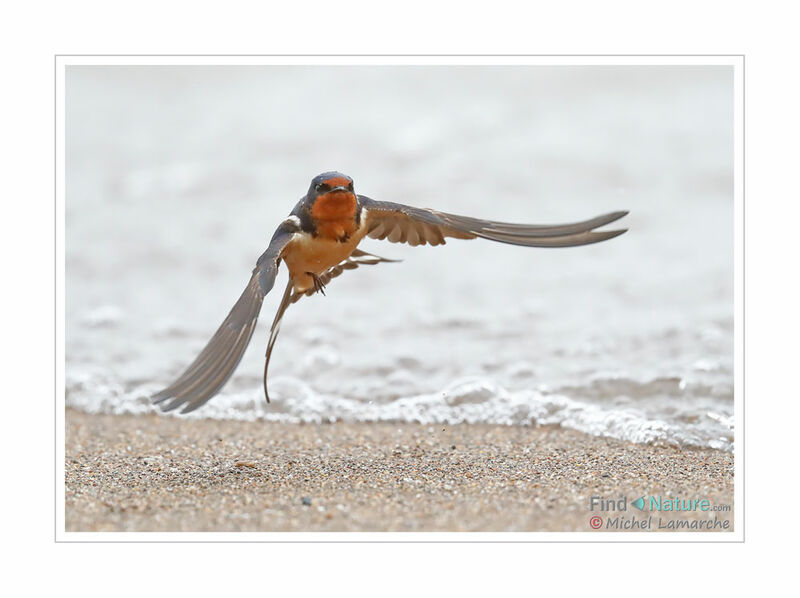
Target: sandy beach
(154, 473)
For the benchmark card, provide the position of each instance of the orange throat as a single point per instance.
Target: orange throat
(335, 215)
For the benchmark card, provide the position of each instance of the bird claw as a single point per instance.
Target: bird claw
(319, 286)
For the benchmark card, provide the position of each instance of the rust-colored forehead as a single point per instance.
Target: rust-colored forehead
(337, 181)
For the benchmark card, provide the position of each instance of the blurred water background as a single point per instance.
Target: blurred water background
(177, 177)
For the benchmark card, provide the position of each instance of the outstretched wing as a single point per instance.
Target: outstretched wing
(209, 372)
(399, 223)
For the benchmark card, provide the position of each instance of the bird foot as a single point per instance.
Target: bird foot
(319, 286)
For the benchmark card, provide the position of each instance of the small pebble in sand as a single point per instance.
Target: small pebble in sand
(306, 501)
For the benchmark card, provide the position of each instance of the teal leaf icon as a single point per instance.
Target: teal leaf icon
(639, 503)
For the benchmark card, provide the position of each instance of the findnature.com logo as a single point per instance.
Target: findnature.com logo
(658, 504)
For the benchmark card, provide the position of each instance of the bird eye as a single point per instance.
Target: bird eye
(321, 187)
(350, 186)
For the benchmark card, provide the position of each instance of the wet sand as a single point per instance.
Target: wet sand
(154, 473)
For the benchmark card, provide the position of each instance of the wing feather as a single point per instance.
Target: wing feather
(399, 223)
(215, 364)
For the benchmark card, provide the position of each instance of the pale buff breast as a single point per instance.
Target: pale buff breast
(305, 253)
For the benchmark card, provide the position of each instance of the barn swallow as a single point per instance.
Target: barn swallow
(318, 241)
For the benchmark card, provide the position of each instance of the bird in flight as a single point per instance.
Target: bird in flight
(318, 241)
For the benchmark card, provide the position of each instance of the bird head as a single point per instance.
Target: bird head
(330, 182)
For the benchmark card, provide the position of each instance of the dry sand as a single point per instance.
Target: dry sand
(154, 473)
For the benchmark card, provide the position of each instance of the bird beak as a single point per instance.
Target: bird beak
(339, 189)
